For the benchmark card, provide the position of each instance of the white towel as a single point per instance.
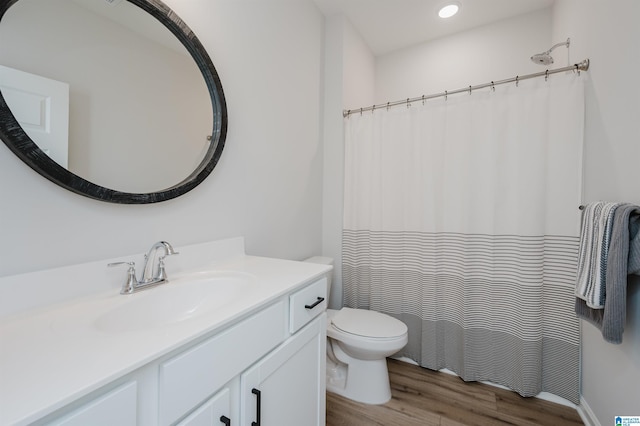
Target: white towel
(595, 237)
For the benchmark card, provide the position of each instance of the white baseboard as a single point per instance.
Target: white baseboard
(557, 399)
(586, 414)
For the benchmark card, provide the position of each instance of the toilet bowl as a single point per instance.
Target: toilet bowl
(358, 343)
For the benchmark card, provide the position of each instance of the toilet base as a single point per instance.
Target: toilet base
(361, 381)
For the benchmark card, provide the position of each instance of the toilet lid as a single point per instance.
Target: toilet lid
(367, 323)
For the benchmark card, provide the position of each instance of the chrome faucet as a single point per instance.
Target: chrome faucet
(150, 273)
(151, 276)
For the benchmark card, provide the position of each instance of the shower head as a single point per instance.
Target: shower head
(545, 58)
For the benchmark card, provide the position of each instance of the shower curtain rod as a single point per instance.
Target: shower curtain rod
(581, 66)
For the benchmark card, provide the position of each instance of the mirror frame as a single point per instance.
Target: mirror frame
(26, 149)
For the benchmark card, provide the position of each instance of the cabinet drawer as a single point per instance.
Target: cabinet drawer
(189, 378)
(306, 304)
(118, 407)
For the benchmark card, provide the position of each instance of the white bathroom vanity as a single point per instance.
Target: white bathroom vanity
(231, 339)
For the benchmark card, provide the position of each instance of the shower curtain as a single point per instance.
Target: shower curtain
(461, 219)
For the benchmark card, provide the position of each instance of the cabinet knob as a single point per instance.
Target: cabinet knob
(225, 420)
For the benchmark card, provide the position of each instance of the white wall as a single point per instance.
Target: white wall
(478, 56)
(607, 32)
(349, 80)
(359, 71)
(266, 187)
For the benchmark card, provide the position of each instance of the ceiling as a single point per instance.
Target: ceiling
(388, 25)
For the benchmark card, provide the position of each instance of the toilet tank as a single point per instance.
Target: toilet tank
(323, 261)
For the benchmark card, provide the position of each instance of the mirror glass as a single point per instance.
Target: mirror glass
(109, 93)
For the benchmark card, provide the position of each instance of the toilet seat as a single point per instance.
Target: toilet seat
(368, 324)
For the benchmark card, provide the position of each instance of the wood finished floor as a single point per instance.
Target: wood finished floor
(422, 397)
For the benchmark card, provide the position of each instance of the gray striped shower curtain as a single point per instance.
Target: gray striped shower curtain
(461, 219)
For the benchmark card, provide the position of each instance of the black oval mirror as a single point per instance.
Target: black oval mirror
(199, 165)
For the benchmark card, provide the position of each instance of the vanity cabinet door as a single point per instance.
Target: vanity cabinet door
(214, 412)
(287, 387)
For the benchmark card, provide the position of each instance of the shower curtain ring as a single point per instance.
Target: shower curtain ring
(577, 69)
(517, 80)
(493, 87)
(422, 99)
(408, 103)
(446, 95)
(373, 108)
(546, 75)
(469, 89)
(360, 112)
(388, 105)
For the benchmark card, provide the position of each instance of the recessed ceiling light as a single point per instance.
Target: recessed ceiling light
(449, 10)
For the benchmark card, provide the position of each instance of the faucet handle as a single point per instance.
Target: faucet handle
(162, 274)
(129, 286)
(131, 264)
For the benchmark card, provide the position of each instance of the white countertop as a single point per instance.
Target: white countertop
(52, 355)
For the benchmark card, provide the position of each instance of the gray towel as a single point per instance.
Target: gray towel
(623, 259)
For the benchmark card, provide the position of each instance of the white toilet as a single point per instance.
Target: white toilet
(358, 343)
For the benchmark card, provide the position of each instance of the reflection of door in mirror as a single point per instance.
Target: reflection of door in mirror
(41, 106)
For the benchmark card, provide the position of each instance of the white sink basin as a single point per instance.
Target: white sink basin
(181, 299)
